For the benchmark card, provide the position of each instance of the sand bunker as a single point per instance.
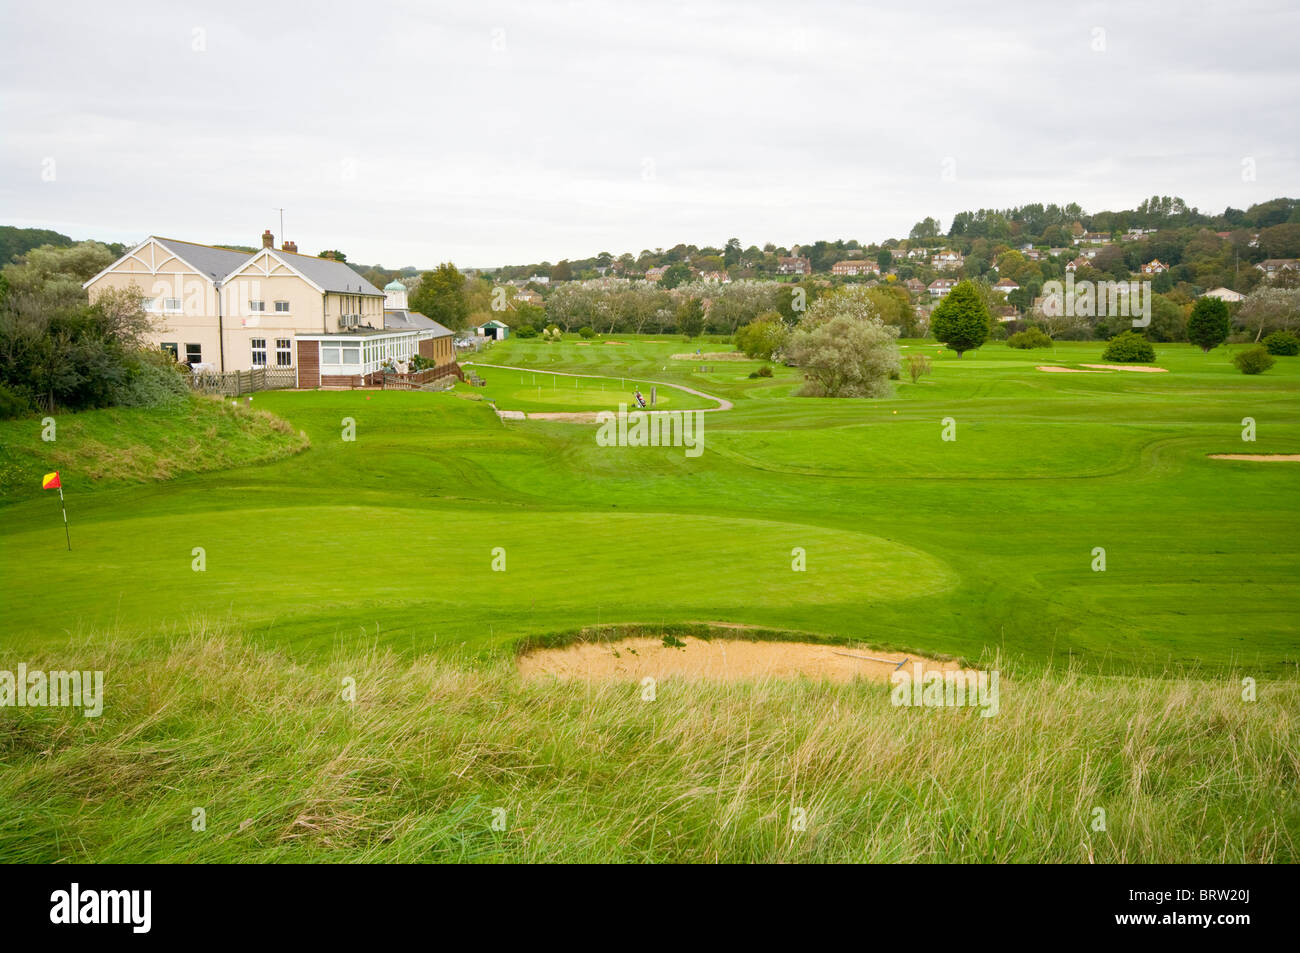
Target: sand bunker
(716, 659)
(1054, 369)
(572, 416)
(1131, 367)
(1258, 457)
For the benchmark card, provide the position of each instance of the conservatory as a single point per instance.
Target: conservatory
(356, 358)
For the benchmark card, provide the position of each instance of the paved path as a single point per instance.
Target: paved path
(588, 416)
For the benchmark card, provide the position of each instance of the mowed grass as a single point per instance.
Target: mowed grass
(542, 391)
(985, 543)
(371, 559)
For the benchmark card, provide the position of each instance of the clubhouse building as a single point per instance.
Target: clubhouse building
(225, 310)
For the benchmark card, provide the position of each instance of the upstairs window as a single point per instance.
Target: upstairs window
(282, 307)
(257, 306)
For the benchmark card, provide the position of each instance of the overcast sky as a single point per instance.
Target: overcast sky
(493, 133)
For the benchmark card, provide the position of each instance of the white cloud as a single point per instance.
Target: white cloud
(494, 133)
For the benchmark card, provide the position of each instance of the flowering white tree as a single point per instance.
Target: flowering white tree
(843, 347)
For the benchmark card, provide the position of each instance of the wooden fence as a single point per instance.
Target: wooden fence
(234, 383)
(431, 378)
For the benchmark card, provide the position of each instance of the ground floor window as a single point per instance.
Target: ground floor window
(259, 352)
(193, 354)
(283, 352)
(170, 348)
(341, 354)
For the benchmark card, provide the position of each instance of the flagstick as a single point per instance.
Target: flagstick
(65, 518)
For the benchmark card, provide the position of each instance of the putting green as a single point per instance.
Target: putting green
(288, 566)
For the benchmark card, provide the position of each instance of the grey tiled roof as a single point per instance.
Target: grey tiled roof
(331, 275)
(398, 320)
(216, 263)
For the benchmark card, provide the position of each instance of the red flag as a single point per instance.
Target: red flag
(51, 481)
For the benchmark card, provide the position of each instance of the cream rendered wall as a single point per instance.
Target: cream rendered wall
(156, 273)
(266, 279)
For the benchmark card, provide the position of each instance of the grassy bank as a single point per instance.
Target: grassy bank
(139, 445)
(286, 770)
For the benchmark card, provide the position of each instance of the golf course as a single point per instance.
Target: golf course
(234, 568)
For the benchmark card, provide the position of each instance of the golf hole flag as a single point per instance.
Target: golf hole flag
(51, 481)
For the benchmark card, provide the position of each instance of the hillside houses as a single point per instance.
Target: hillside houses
(793, 265)
(855, 266)
(948, 260)
(941, 286)
(1272, 267)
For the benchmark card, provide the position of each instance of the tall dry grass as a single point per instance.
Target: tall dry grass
(286, 769)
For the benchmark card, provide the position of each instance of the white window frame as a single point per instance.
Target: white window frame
(256, 306)
(280, 310)
(258, 347)
(284, 352)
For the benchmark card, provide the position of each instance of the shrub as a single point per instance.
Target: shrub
(1254, 360)
(154, 380)
(586, 331)
(525, 331)
(14, 403)
(763, 371)
(918, 365)
(1129, 348)
(1028, 339)
(1282, 343)
(763, 338)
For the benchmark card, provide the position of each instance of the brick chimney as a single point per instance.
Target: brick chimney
(291, 247)
(268, 240)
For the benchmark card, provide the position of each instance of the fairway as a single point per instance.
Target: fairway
(541, 391)
(958, 548)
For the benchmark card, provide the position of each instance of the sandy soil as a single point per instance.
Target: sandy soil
(572, 416)
(1258, 457)
(718, 659)
(1054, 369)
(1131, 367)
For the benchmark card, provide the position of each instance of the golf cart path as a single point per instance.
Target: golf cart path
(589, 416)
